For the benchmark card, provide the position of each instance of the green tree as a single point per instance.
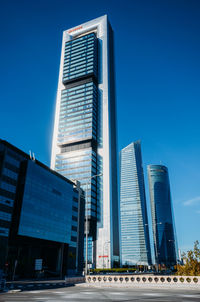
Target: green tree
(191, 260)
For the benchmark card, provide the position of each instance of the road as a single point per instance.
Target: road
(86, 294)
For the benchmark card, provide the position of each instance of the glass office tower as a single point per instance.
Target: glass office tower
(84, 139)
(162, 216)
(135, 243)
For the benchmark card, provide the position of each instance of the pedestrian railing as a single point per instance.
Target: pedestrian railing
(142, 279)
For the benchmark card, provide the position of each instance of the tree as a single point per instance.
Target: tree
(191, 260)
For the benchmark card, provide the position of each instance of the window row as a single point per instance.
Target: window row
(75, 115)
(79, 97)
(80, 44)
(78, 159)
(68, 133)
(89, 103)
(74, 137)
(74, 64)
(8, 187)
(75, 50)
(78, 94)
(68, 59)
(80, 40)
(71, 103)
(78, 59)
(71, 69)
(65, 130)
(82, 116)
(74, 118)
(68, 93)
(75, 74)
(78, 87)
(79, 111)
(76, 164)
(77, 129)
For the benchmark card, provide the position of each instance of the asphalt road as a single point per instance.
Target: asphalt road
(86, 294)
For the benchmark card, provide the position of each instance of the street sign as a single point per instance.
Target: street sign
(38, 264)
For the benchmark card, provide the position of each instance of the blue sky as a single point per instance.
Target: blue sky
(157, 54)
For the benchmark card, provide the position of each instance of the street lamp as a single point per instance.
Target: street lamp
(86, 224)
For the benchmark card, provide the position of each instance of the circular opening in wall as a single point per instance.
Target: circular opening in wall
(110, 279)
(138, 279)
(115, 279)
(132, 279)
(156, 279)
(89, 279)
(195, 280)
(169, 279)
(104, 279)
(126, 279)
(150, 279)
(121, 279)
(94, 279)
(182, 279)
(188, 280)
(162, 279)
(175, 279)
(99, 278)
(144, 279)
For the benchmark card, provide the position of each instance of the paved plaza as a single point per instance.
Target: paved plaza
(82, 293)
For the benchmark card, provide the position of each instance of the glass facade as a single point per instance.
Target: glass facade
(9, 169)
(84, 140)
(49, 207)
(135, 244)
(162, 215)
(80, 57)
(78, 113)
(40, 206)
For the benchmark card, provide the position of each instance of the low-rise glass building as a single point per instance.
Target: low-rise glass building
(42, 216)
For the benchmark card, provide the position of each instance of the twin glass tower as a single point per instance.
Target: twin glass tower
(84, 139)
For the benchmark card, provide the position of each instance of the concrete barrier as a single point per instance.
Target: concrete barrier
(74, 280)
(143, 280)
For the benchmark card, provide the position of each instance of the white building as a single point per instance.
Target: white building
(84, 139)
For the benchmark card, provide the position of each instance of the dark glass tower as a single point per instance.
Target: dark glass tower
(135, 244)
(162, 216)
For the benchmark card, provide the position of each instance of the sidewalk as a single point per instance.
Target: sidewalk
(36, 284)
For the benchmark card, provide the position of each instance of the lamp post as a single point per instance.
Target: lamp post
(103, 250)
(86, 224)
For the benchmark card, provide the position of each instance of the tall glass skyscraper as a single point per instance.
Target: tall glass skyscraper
(84, 140)
(135, 243)
(162, 216)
